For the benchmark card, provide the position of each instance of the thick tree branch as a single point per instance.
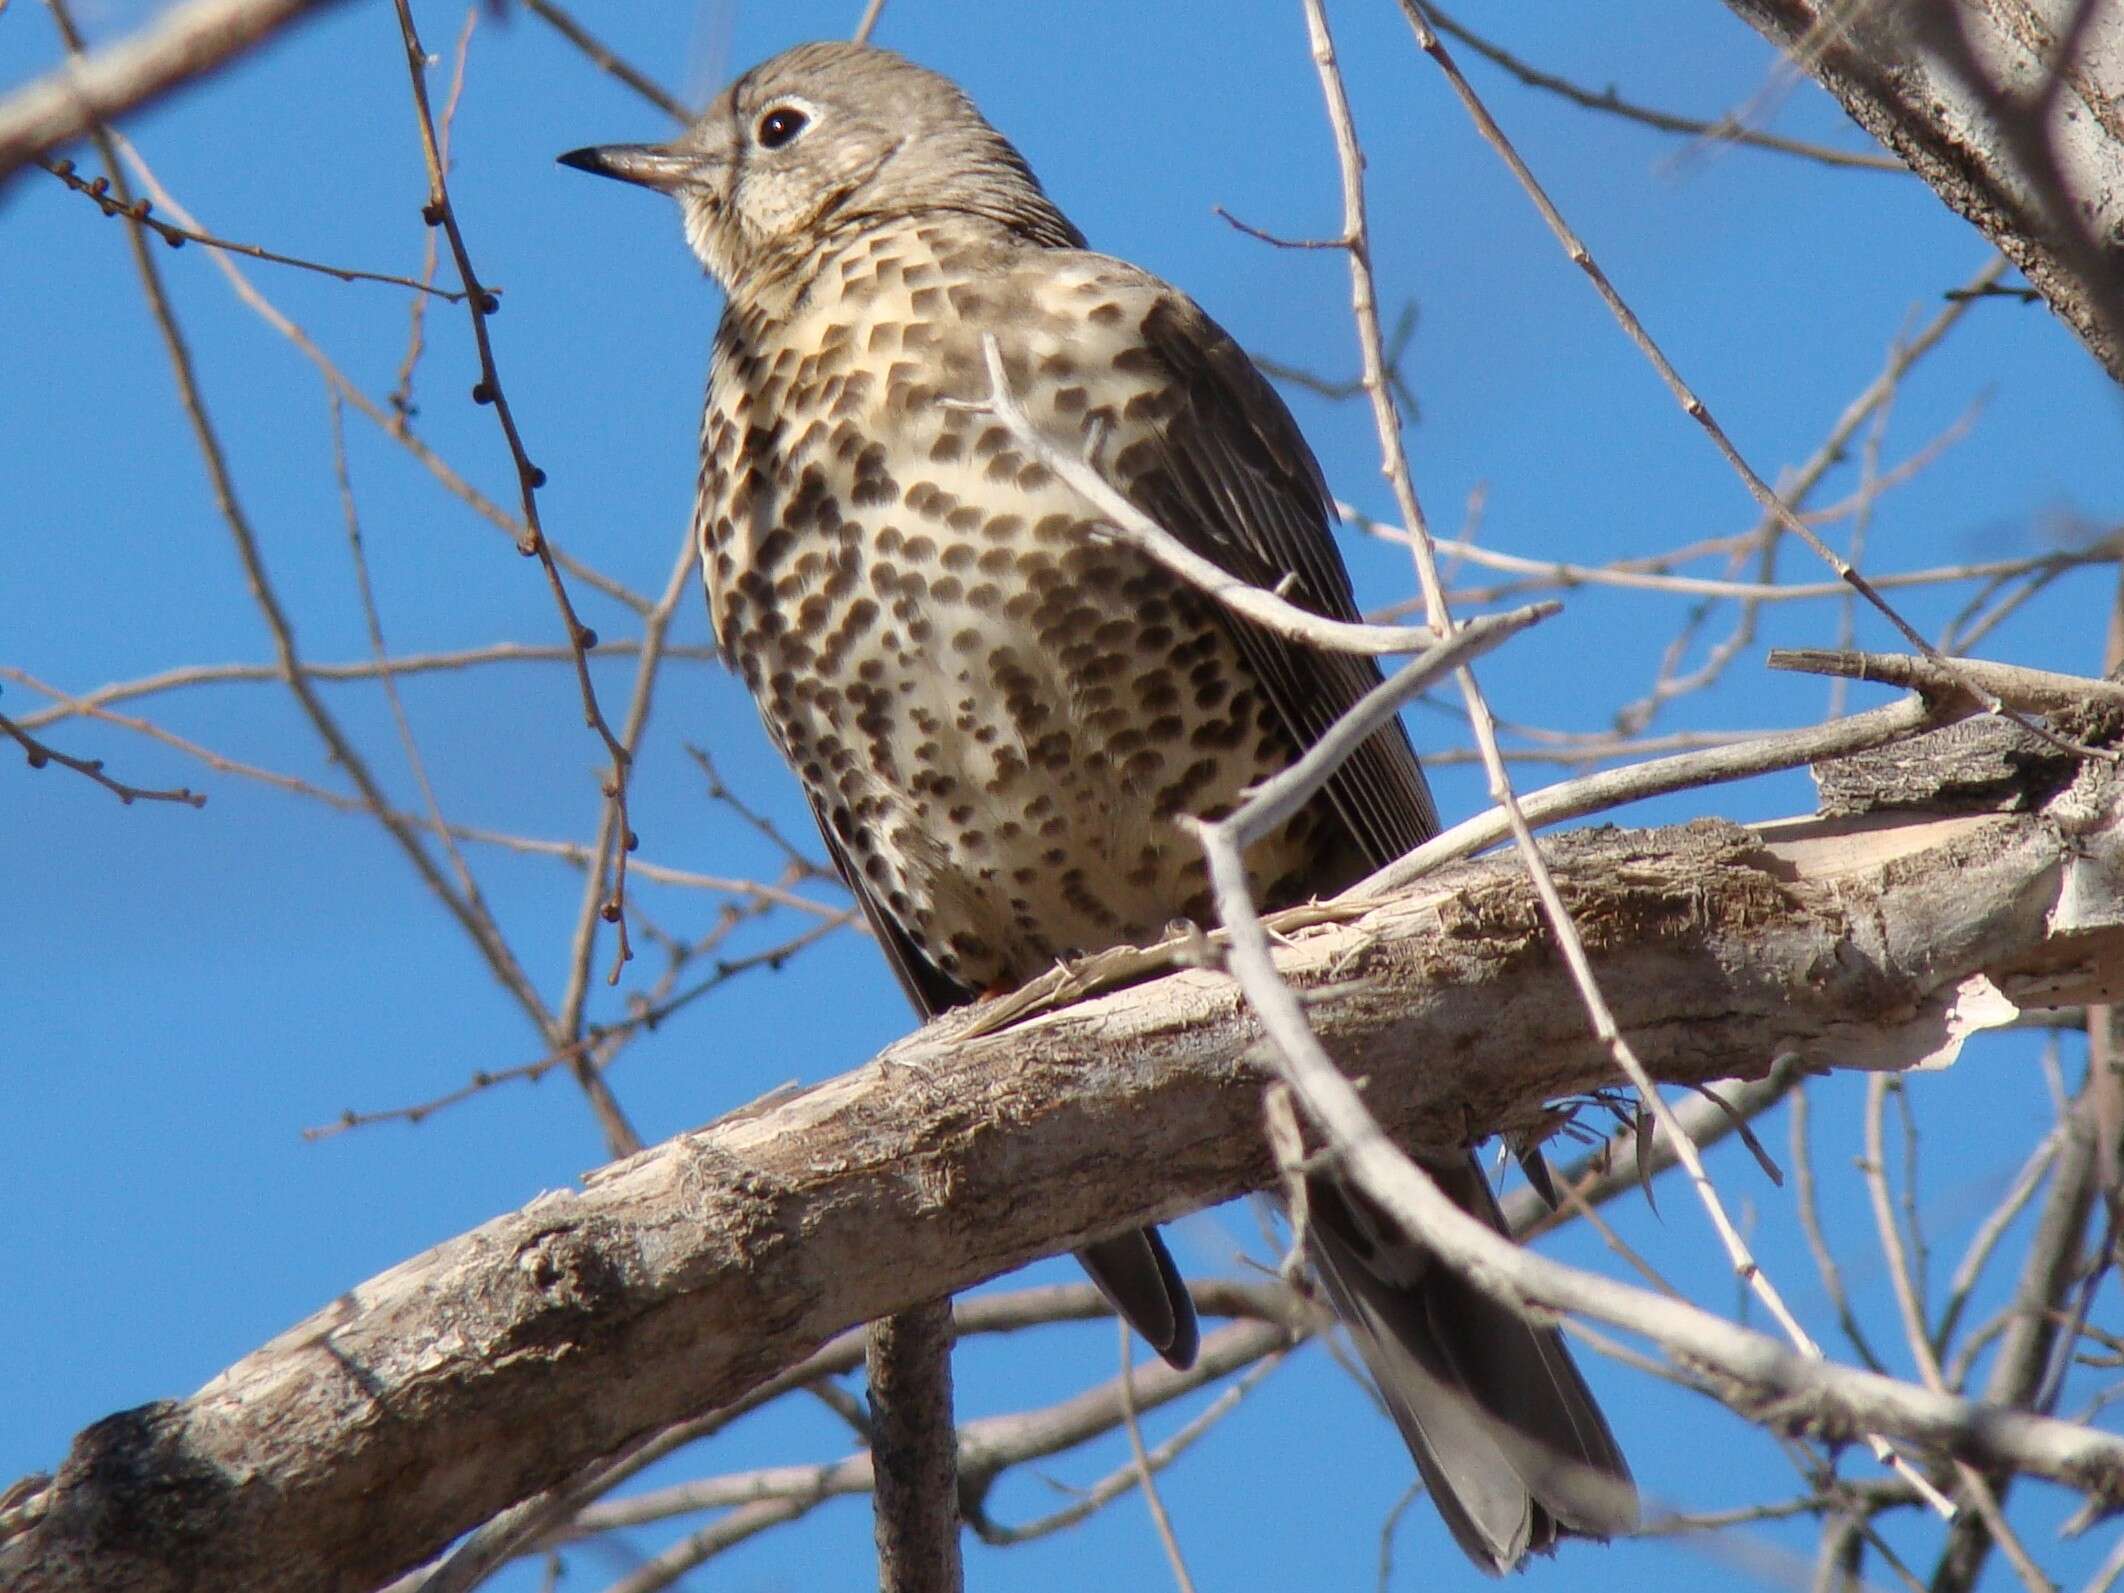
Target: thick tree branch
(501, 1362)
(1973, 95)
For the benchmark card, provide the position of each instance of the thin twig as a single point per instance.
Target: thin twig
(142, 211)
(872, 10)
(40, 755)
(1692, 405)
(482, 304)
(401, 665)
(500, 959)
(401, 399)
(584, 1052)
(1126, 523)
(1725, 130)
(1144, 1480)
(467, 886)
(606, 60)
(389, 421)
(1809, 1211)
(1394, 462)
(1739, 760)
(1910, 1306)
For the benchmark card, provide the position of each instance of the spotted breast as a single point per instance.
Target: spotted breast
(997, 711)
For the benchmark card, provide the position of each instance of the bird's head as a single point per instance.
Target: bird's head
(821, 136)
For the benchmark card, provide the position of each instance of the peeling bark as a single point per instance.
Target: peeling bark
(428, 1398)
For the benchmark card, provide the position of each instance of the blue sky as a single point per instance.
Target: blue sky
(187, 990)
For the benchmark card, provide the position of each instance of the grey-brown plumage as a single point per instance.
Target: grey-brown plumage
(997, 715)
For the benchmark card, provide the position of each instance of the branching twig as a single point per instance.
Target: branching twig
(1725, 130)
(39, 755)
(1144, 1479)
(391, 422)
(142, 211)
(1692, 405)
(482, 303)
(496, 951)
(1394, 462)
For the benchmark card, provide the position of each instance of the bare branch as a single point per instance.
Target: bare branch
(602, 56)
(482, 303)
(40, 755)
(2008, 112)
(1141, 1458)
(184, 43)
(2041, 691)
(1126, 523)
(1725, 130)
(668, 1285)
(142, 211)
(914, 1471)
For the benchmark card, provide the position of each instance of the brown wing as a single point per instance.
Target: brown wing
(1226, 470)
(1134, 1270)
(929, 988)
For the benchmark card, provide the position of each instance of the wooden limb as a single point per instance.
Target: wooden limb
(1975, 98)
(184, 43)
(914, 1451)
(502, 1362)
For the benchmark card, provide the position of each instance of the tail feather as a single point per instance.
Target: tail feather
(1137, 1275)
(1505, 1432)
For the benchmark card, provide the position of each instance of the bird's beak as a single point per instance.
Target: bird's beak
(657, 166)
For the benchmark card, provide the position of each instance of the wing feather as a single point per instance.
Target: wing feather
(1227, 471)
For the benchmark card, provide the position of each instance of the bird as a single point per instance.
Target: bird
(998, 716)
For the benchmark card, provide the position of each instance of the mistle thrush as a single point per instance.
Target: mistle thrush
(997, 714)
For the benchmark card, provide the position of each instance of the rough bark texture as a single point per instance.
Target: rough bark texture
(1963, 91)
(498, 1363)
(914, 1451)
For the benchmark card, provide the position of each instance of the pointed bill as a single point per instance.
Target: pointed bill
(657, 166)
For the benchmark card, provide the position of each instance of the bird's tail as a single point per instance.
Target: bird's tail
(1503, 1428)
(1136, 1274)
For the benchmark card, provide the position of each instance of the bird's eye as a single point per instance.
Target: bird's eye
(780, 125)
